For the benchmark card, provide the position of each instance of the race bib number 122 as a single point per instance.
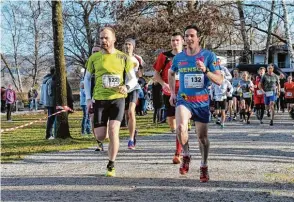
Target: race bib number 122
(194, 80)
(110, 81)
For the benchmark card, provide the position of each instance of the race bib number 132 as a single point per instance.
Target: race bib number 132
(110, 81)
(194, 80)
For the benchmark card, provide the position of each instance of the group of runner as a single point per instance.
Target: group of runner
(190, 79)
(246, 92)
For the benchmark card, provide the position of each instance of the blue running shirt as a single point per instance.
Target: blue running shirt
(193, 82)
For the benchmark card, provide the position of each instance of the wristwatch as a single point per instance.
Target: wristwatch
(128, 87)
(206, 71)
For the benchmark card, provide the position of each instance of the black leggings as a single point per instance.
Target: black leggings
(281, 102)
(260, 111)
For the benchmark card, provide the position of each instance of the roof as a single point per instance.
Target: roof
(254, 68)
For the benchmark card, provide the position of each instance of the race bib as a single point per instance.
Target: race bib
(110, 81)
(194, 80)
(282, 90)
(259, 92)
(269, 93)
(246, 95)
(289, 94)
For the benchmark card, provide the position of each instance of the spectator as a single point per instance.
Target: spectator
(86, 126)
(10, 100)
(141, 103)
(3, 99)
(157, 101)
(49, 101)
(146, 97)
(32, 95)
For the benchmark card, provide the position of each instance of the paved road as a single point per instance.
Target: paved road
(246, 163)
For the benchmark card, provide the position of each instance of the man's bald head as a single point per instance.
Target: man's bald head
(107, 38)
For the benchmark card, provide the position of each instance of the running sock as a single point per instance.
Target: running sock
(243, 113)
(203, 164)
(262, 108)
(248, 115)
(186, 149)
(178, 147)
(110, 164)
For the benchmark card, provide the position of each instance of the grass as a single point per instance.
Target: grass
(15, 145)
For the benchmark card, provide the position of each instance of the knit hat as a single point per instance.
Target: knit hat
(131, 41)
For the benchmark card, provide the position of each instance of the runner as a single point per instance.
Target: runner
(100, 147)
(247, 87)
(110, 67)
(236, 93)
(259, 96)
(219, 92)
(281, 99)
(196, 67)
(230, 103)
(228, 74)
(289, 92)
(161, 67)
(270, 84)
(131, 100)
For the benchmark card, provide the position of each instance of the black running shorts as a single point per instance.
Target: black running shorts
(132, 97)
(238, 97)
(248, 101)
(108, 110)
(170, 110)
(220, 105)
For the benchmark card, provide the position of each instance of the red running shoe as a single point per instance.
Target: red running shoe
(177, 159)
(185, 165)
(204, 177)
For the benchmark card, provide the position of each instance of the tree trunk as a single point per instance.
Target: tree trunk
(288, 37)
(62, 127)
(269, 34)
(246, 56)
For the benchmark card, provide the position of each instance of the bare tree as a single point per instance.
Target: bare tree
(269, 33)
(60, 73)
(10, 72)
(37, 18)
(13, 25)
(246, 56)
(288, 37)
(82, 21)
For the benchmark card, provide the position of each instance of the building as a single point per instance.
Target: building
(278, 54)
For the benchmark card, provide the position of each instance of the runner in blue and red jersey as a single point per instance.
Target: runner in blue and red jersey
(196, 68)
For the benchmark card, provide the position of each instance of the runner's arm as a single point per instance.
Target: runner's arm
(230, 87)
(228, 74)
(132, 79)
(260, 85)
(87, 85)
(278, 86)
(215, 76)
(172, 81)
(251, 87)
(158, 78)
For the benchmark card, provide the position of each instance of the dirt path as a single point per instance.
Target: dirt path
(246, 163)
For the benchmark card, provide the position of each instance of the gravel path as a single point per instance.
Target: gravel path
(246, 163)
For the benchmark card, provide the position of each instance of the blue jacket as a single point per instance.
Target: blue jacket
(141, 94)
(48, 91)
(43, 96)
(82, 97)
